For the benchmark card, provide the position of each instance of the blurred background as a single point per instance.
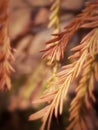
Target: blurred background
(28, 32)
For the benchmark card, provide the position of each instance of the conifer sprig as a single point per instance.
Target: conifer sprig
(5, 48)
(88, 18)
(54, 21)
(81, 103)
(56, 98)
(85, 66)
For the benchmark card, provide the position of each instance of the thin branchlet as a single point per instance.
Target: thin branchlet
(88, 18)
(56, 97)
(84, 65)
(5, 48)
(54, 21)
(81, 103)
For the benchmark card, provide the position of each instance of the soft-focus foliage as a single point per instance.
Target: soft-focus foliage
(83, 67)
(58, 71)
(5, 49)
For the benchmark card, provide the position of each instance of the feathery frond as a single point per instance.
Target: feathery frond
(5, 48)
(88, 47)
(88, 18)
(85, 66)
(81, 103)
(54, 22)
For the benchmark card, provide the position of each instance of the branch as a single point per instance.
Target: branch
(56, 95)
(5, 48)
(88, 18)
